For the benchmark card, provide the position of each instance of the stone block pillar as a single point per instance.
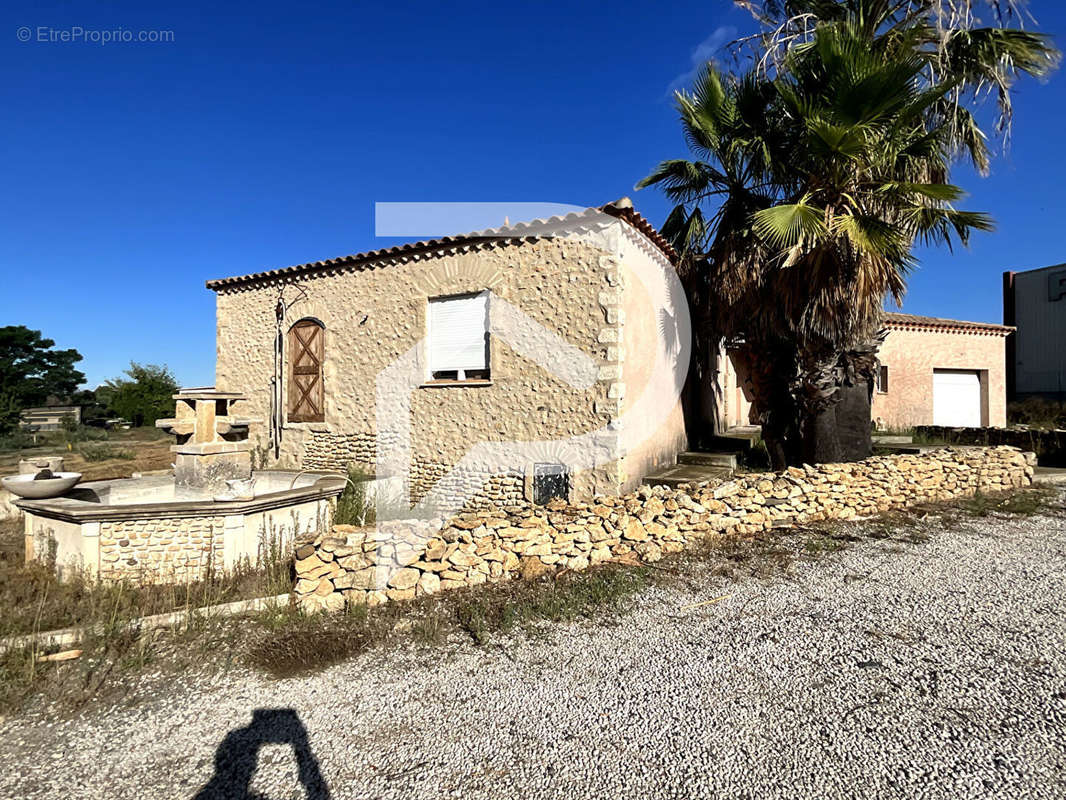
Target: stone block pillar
(212, 435)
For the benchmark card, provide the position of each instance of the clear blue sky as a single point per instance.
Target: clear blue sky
(263, 133)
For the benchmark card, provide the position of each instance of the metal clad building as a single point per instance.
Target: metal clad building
(1035, 303)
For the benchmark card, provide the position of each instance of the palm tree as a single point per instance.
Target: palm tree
(957, 50)
(828, 162)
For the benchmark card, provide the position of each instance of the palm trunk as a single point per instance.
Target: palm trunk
(833, 394)
(821, 445)
(852, 414)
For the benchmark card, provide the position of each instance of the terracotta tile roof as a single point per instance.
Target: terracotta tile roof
(622, 209)
(897, 320)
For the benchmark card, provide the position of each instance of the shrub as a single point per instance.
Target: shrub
(87, 433)
(78, 433)
(1037, 412)
(17, 440)
(104, 452)
(353, 505)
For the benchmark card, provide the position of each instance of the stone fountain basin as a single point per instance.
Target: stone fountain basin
(26, 486)
(148, 528)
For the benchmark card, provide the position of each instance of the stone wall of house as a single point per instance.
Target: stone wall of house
(452, 486)
(399, 561)
(326, 450)
(651, 365)
(175, 549)
(376, 317)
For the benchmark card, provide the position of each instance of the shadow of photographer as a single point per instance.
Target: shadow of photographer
(238, 754)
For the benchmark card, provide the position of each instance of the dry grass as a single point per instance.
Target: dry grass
(503, 608)
(1019, 503)
(118, 456)
(288, 643)
(284, 642)
(33, 601)
(113, 658)
(1026, 503)
(762, 555)
(12, 543)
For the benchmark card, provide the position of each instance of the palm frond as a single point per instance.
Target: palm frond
(687, 231)
(682, 180)
(938, 192)
(783, 226)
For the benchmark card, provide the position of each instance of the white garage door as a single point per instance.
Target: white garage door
(956, 398)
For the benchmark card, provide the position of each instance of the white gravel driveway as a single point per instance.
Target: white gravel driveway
(933, 670)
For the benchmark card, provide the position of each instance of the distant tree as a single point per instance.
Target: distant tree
(143, 396)
(9, 413)
(31, 371)
(91, 407)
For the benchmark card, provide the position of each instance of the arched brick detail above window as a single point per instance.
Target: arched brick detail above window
(459, 274)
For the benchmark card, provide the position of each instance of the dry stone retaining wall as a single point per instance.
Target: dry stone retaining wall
(1049, 445)
(398, 561)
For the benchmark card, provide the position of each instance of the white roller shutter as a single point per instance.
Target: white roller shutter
(457, 328)
(956, 398)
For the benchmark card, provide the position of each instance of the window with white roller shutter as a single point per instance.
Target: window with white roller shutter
(458, 331)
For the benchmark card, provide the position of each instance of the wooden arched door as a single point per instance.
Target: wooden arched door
(306, 354)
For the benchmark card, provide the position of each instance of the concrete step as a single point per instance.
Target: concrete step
(893, 439)
(677, 474)
(735, 440)
(708, 459)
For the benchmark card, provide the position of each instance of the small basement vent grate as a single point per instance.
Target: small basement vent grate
(550, 481)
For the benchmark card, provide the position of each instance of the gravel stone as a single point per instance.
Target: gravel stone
(884, 670)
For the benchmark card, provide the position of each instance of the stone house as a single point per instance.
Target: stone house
(933, 372)
(414, 349)
(406, 360)
(941, 372)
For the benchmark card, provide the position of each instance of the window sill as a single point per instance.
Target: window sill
(440, 384)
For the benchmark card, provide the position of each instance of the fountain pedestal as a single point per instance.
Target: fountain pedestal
(212, 436)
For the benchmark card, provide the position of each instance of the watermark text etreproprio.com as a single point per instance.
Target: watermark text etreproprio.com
(76, 34)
